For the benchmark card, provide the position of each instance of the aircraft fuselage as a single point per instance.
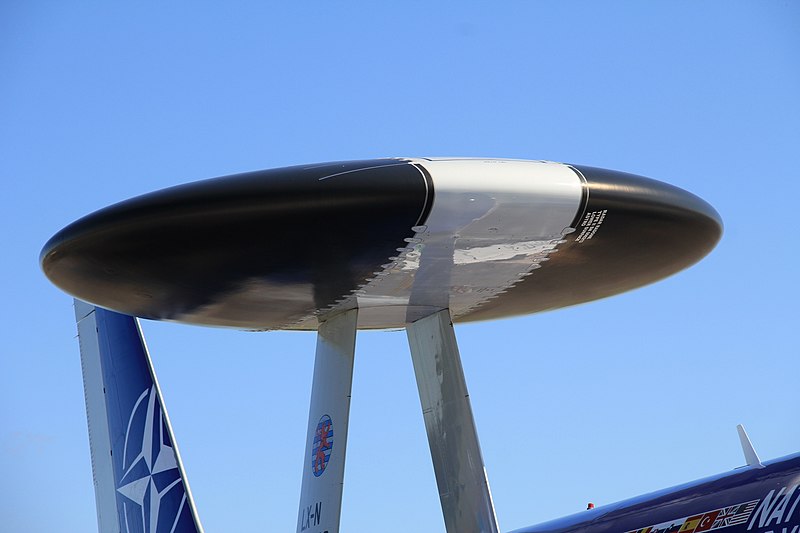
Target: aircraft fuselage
(747, 500)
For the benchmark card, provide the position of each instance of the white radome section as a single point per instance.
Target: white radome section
(492, 220)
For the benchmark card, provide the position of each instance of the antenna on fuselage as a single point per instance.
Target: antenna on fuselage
(750, 454)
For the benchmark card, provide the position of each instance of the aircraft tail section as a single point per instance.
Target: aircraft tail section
(139, 480)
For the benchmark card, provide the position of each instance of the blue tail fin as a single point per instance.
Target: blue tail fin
(139, 481)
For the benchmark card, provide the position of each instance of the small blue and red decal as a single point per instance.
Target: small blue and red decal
(323, 444)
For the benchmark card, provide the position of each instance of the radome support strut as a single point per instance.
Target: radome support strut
(460, 475)
(328, 418)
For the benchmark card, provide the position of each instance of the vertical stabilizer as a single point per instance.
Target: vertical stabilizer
(139, 481)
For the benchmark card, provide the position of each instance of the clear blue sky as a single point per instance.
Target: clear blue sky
(594, 403)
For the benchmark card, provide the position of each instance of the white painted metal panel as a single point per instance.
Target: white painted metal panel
(97, 419)
(323, 462)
